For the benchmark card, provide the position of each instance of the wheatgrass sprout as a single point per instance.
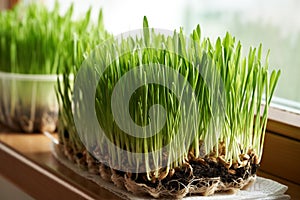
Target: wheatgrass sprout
(80, 47)
(168, 115)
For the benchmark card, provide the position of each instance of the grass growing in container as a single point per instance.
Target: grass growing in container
(209, 128)
(34, 40)
(36, 44)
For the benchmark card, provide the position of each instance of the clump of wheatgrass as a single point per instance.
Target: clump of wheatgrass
(36, 44)
(212, 108)
(36, 40)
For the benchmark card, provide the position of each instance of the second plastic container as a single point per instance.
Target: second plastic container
(28, 102)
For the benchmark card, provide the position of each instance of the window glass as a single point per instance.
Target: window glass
(274, 23)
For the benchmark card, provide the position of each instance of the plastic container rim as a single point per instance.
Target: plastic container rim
(32, 77)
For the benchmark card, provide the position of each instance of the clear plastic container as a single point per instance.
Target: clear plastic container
(28, 102)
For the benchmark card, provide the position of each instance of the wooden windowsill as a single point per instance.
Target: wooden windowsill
(29, 164)
(284, 123)
(280, 160)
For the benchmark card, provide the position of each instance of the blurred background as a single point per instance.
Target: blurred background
(274, 23)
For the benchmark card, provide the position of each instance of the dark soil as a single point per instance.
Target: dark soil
(195, 170)
(21, 120)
